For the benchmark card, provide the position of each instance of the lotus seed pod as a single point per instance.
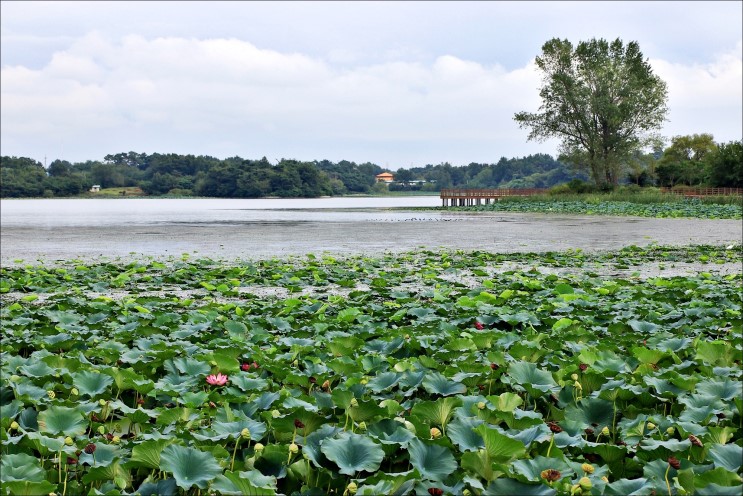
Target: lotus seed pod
(587, 468)
(293, 448)
(466, 492)
(354, 402)
(605, 479)
(258, 447)
(116, 440)
(15, 378)
(275, 413)
(362, 426)
(352, 488)
(650, 426)
(585, 483)
(435, 433)
(245, 433)
(74, 392)
(481, 405)
(605, 431)
(574, 377)
(576, 490)
(51, 394)
(14, 426)
(102, 402)
(295, 363)
(364, 381)
(68, 441)
(101, 429)
(670, 431)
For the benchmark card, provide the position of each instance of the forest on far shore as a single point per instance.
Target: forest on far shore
(690, 160)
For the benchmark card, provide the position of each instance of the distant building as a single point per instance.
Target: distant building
(95, 188)
(385, 177)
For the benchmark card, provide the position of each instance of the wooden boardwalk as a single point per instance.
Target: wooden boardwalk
(456, 197)
(469, 197)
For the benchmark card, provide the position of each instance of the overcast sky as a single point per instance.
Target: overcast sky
(399, 84)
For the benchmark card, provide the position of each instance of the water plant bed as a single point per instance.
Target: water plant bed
(429, 372)
(680, 209)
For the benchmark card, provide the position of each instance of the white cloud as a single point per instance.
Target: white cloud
(224, 96)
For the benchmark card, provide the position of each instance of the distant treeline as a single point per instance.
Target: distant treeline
(236, 177)
(694, 160)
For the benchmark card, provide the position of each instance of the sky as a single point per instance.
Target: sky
(398, 84)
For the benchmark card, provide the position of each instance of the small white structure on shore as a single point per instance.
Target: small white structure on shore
(95, 188)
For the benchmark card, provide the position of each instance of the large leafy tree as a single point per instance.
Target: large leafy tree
(684, 161)
(601, 99)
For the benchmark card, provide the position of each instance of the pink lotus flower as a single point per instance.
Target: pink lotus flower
(479, 326)
(216, 380)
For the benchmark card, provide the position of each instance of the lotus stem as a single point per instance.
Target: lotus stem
(668, 484)
(552, 441)
(234, 452)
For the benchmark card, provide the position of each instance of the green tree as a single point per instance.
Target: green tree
(725, 165)
(684, 161)
(21, 177)
(601, 100)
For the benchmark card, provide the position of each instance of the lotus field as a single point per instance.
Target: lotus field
(418, 373)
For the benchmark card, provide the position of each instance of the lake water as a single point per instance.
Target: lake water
(62, 229)
(57, 213)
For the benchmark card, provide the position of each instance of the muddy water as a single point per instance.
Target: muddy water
(231, 233)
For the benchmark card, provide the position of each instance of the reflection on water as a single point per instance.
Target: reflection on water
(52, 213)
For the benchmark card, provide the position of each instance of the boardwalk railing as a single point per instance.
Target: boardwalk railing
(468, 197)
(697, 192)
(453, 197)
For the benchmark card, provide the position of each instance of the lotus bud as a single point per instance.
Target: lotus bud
(576, 490)
(574, 377)
(466, 492)
(14, 426)
(74, 392)
(116, 440)
(101, 429)
(295, 363)
(585, 483)
(362, 426)
(605, 431)
(293, 448)
(364, 381)
(650, 426)
(352, 488)
(275, 413)
(245, 433)
(435, 433)
(354, 402)
(605, 479)
(68, 441)
(326, 385)
(587, 468)
(15, 378)
(102, 402)
(258, 447)
(51, 394)
(670, 431)
(481, 405)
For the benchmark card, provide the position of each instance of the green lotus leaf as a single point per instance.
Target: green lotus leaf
(728, 456)
(37, 369)
(719, 475)
(353, 453)
(436, 413)
(344, 345)
(591, 412)
(247, 383)
(63, 420)
(462, 433)
(166, 487)
(45, 444)
(510, 487)
(718, 490)
(233, 429)
(435, 383)
(500, 447)
(717, 353)
(643, 327)
(91, 383)
(187, 366)
(113, 472)
(532, 468)
(21, 467)
(147, 453)
(189, 466)
(388, 431)
(384, 381)
(536, 433)
(242, 483)
(103, 456)
(724, 389)
(629, 487)
(433, 462)
(384, 347)
(530, 377)
(506, 402)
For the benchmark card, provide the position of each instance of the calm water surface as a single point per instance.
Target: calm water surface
(53, 213)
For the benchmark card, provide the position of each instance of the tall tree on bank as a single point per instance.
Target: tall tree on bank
(601, 100)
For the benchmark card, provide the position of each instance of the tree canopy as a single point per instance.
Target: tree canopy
(601, 100)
